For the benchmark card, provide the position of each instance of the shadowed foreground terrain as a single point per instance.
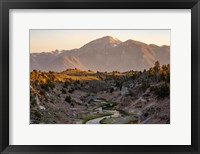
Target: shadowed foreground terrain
(75, 96)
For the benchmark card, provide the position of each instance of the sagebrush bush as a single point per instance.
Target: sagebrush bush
(111, 90)
(42, 92)
(68, 99)
(48, 85)
(63, 91)
(145, 86)
(161, 91)
(71, 90)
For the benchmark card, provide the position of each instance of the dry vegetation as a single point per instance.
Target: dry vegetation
(75, 96)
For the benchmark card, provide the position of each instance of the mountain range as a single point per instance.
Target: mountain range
(103, 54)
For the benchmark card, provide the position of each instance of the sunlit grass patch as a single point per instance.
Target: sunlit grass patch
(86, 117)
(106, 106)
(120, 120)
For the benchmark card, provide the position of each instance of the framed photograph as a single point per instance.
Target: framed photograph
(99, 76)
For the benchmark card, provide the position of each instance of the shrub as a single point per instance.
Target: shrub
(164, 67)
(78, 82)
(168, 77)
(162, 91)
(38, 115)
(63, 91)
(51, 85)
(68, 99)
(48, 85)
(45, 87)
(42, 92)
(71, 90)
(118, 84)
(111, 90)
(35, 71)
(65, 84)
(50, 72)
(33, 101)
(165, 76)
(145, 86)
(134, 76)
(151, 71)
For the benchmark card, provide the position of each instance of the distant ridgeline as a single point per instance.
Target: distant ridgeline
(103, 54)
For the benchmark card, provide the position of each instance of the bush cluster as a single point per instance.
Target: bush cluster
(68, 99)
(145, 86)
(161, 91)
(47, 86)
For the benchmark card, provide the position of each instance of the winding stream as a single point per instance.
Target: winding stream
(115, 117)
(114, 113)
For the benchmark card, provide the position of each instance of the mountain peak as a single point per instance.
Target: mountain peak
(103, 41)
(104, 54)
(109, 39)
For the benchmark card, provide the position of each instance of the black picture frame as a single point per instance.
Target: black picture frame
(5, 5)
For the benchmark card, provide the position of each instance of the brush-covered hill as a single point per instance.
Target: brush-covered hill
(80, 96)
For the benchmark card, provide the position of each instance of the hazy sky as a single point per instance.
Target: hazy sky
(50, 40)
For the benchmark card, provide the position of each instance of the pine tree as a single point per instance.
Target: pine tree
(157, 66)
(151, 71)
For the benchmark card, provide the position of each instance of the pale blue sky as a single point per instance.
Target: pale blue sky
(50, 40)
